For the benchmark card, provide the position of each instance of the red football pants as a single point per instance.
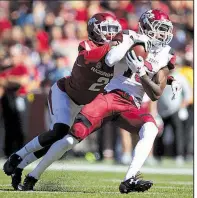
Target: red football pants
(122, 111)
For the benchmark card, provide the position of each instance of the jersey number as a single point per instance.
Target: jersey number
(100, 82)
(129, 73)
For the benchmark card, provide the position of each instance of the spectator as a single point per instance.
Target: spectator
(173, 111)
(16, 81)
(188, 124)
(61, 70)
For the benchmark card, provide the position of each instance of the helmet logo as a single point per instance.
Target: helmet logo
(92, 20)
(148, 15)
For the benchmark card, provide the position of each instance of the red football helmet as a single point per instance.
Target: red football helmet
(102, 27)
(157, 26)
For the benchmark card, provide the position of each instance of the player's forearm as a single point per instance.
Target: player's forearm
(152, 89)
(118, 52)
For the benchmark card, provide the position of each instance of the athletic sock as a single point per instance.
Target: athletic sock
(30, 147)
(147, 135)
(27, 160)
(55, 152)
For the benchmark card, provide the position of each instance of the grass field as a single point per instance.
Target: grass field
(85, 184)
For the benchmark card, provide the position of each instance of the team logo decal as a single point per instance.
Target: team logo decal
(147, 15)
(91, 21)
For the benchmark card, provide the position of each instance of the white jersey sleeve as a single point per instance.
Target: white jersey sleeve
(119, 51)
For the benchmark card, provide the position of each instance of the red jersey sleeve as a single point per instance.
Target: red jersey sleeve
(95, 55)
(86, 45)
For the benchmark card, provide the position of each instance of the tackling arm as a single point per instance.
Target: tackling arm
(129, 39)
(96, 54)
(119, 51)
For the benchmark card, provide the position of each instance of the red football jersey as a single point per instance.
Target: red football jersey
(90, 73)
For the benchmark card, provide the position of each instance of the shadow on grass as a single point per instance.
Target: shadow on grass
(7, 189)
(59, 187)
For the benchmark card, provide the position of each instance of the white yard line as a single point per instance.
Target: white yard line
(63, 166)
(85, 191)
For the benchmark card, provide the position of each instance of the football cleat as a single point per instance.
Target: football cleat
(28, 184)
(16, 178)
(12, 162)
(135, 184)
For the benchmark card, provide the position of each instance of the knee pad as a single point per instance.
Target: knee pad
(81, 118)
(80, 128)
(79, 131)
(58, 132)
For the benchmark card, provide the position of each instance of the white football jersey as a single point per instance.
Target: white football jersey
(124, 79)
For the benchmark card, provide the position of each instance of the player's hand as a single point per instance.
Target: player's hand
(116, 40)
(113, 43)
(170, 79)
(136, 64)
(141, 39)
(176, 89)
(118, 37)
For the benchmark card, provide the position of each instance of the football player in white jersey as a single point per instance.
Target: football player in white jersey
(121, 102)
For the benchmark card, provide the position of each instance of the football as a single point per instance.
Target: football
(140, 51)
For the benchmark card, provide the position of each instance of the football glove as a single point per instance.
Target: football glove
(141, 39)
(136, 64)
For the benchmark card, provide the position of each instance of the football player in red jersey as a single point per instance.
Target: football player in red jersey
(121, 101)
(91, 72)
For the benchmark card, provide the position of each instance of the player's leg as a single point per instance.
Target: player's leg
(82, 127)
(17, 175)
(55, 152)
(59, 103)
(147, 134)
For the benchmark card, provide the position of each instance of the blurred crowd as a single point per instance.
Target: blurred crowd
(38, 46)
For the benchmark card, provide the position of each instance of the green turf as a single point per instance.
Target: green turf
(94, 184)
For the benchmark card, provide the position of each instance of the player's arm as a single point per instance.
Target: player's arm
(154, 89)
(129, 39)
(119, 51)
(96, 54)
